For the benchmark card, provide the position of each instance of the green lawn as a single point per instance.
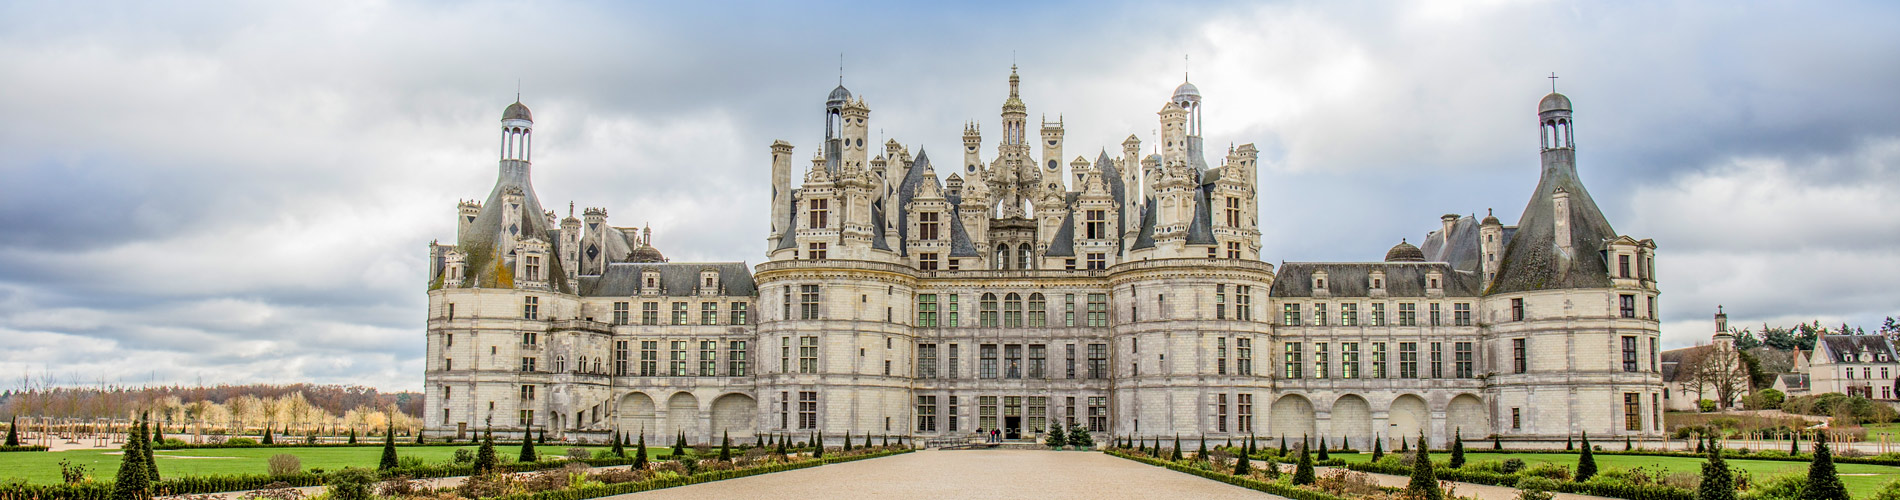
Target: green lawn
(43, 467)
(1862, 480)
(1892, 430)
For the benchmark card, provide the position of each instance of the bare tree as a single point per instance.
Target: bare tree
(1718, 374)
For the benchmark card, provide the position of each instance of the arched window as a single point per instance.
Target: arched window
(1013, 310)
(560, 364)
(1038, 310)
(1022, 257)
(1002, 256)
(597, 365)
(986, 310)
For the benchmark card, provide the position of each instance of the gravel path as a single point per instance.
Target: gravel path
(967, 474)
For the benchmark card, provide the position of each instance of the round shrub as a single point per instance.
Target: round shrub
(352, 483)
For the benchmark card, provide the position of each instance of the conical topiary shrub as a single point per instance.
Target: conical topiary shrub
(640, 452)
(1823, 482)
(679, 446)
(389, 450)
(1303, 474)
(1457, 448)
(131, 482)
(1717, 482)
(1424, 483)
(725, 447)
(1378, 449)
(1586, 462)
(527, 449)
(619, 450)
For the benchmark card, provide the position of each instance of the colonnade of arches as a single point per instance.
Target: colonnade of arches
(682, 411)
(1353, 417)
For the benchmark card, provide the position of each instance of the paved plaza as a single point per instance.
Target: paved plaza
(967, 474)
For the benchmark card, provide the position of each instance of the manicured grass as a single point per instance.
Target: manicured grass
(1892, 430)
(1862, 480)
(43, 467)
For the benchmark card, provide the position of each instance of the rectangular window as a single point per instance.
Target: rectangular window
(736, 358)
(1408, 314)
(1068, 309)
(1038, 361)
(986, 361)
(1243, 302)
(1220, 355)
(622, 314)
(1623, 268)
(1517, 418)
(649, 358)
(1070, 370)
(807, 410)
(1038, 310)
(1517, 309)
(1435, 321)
(1349, 360)
(1408, 360)
(1233, 211)
(1320, 314)
(927, 225)
(808, 355)
(953, 414)
(527, 364)
(1290, 315)
(1098, 309)
(1013, 361)
(708, 358)
(1098, 414)
(952, 320)
(927, 261)
(1243, 417)
(1632, 412)
(527, 392)
(1627, 307)
(784, 354)
(650, 313)
(1517, 356)
(676, 358)
(1292, 360)
(927, 309)
(1349, 314)
(1220, 413)
(530, 308)
(1243, 347)
(986, 311)
(623, 356)
(1378, 360)
(1655, 356)
(1220, 301)
(1438, 360)
(926, 414)
(1098, 361)
(1629, 354)
(1652, 307)
(679, 313)
(986, 413)
(709, 313)
(1095, 224)
(1462, 362)
(1319, 360)
(739, 313)
(926, 360)
(1461, 314)
(808, 302)
(527, 418)
(819, 214)
(952, 373)
(1097, 261)
(1378, 314)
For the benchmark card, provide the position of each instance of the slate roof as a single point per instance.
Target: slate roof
(1795, 381)
(1532, 261)
(1353, 279)
(1673, 359)
(484, 243)
(1839, 347)
(677, 279)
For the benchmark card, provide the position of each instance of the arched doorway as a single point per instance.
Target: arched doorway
(734, 413)
(682, 415)
(1407, 418)
(1292, 417)
(1466, 415)
(1352, 419)
(636, 412)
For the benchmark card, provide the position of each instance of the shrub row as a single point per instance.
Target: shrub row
(1729, 453)
(595, 491)
(1612, 490)
(196, 485)
(366, 443)
(1272, 488)
(22, 448)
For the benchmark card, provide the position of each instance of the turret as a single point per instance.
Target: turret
(1722, 336)
(1052, 153)
(465, 212)
(855, 115)
(1491, 245)
(594, 248)
(781, 192)
(972, 153)
(1174, 134)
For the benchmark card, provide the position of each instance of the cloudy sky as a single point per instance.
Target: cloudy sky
(243, 192)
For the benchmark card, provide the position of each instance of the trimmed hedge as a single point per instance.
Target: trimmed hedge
(1728, 453)
(1244, 482)
(1625, 491)
(703, 477)
(21, 448)
(196, 485)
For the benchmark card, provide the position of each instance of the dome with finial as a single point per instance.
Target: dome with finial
(1404, 252)
(646, 253)
(516, 111)
(1554, 102)
(1187, 93)
(1489, 219)
(838, 97)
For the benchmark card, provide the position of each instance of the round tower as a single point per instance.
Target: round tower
(517, 132)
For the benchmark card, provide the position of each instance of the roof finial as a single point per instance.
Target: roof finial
(1553, 82)
(570, 208)
(840, 69)
(1184, 68)
(517, 90)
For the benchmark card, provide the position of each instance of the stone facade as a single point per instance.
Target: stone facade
(1124, 293)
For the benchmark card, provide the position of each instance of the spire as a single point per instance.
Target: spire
(1013, 81)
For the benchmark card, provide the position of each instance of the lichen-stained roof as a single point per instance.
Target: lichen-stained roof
(484, 244)
(1532, 260)
(677, 279)
(1063, 245)
(1795, 381)
(1353, 279)
(1675, 360)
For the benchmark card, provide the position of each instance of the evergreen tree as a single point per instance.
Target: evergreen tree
(1424, 484)
(867, 441)
(352, 436)
(725, 447)
(1303, 474)
(1497, 443)
(619, 449)
(679, 446)
(761, 443)
(1823, 482)
(389, 450)
(1323, 456)
(1568, 445)
(267, 434)
(1344, 444)
(1283, 448)
(151, 462)
(1056, 440)
(1457, 448)
(1717, 482)
(1243, 467)
(132, 483)
(1405, 445)
(781, 446)
(1202, 453)
(544, 437)
(640, 452)
(1175, 454)
(13, 432)
(1586, 463)
(1628, 445)
(1794, 444)
(527, 449)
(1253, 444)
(310, 438)
(158, 433)
(418, 436)
(485, 460)
(847, 440)
(1378, 449)
(818, 445)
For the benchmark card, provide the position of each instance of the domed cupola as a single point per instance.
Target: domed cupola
(1554, 102)
(1186, 94)
(1404, 252)
(517, 111)
(646, 253)
(838, 97)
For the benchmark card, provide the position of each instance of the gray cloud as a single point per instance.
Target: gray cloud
(244, 191)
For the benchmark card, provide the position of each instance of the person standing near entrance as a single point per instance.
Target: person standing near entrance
(996, 436)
